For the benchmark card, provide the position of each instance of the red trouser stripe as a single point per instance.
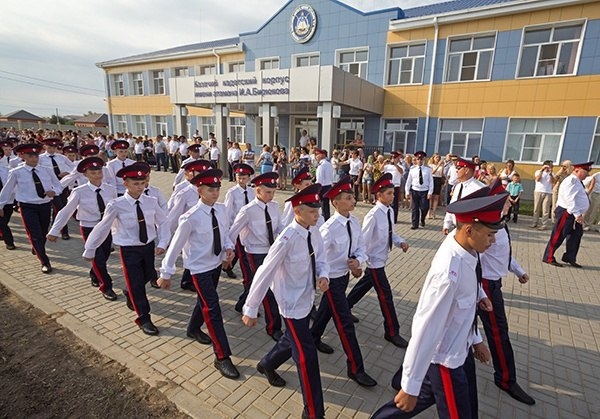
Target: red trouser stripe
(268, 313)
(449, 392)
(497, 340)
(208, 320)
(95, 265)
(556, 235)
(341, 333)
(303, 371)
(240, 254)
(386, 310)
(127, 282)
(29, 237)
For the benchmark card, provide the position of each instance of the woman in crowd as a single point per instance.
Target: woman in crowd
(437, 168)
(507, 173)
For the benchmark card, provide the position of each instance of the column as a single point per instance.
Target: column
(329, 126)
(268, 112)
(181, 113)
(221, 113)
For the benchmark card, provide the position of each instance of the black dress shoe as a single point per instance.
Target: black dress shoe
(154, 283)
(414, 227)
(199, 336)
(396, 340)
(422, 223)
(274, 379)
(325, 348)
(188, 287)
(46, 269)
(516, 392)
(10, 247)
(277, 335)
(362, 379)
(354, 318)
(94, 281)
(128, 300)
(109, 295)
(553, 263)
(573, 264)
(149, 328)
(65, 236)
(226, 368)
(230, 274)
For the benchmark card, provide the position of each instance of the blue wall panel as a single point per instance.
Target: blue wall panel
(494, 135)
(578, 139)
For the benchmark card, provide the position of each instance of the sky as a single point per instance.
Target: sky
(49, 49)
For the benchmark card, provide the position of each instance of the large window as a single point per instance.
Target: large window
(400, 134)
(236, 67)
(182, 72)
(534, 140)
(470, 58)
(121, 123)
(550, 50)
(138, 84)
(348, 128)
(119, 86)
(306, 60)
(237, 130)
(207, 125)
(354, 61)
(460, 136)
(158, 82)
(595, 152)
(269, 63)
(160, 125)
(139, 124)
(405, 64)
(208, 69)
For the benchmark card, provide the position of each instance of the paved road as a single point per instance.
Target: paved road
(554, 321)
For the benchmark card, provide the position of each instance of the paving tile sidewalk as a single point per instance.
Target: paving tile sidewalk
(554, 323)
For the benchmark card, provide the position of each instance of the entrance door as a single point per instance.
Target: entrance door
(301, 124)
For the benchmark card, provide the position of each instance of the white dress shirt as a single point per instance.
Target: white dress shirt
(62, 161)
(392, 169)
(121, 216)
(442, 327)
(412, 181)
(234, 154)
(180, 176)
(287, 271)
(572, 196)
(324, 173)
(250, 224)
(288, 216)
(186, 199)
(495, 260)
(20, 186)
(235, 200)
(138, 148)
(155, 192)
(356, 166)
(194, 240)
(113, 167)
(468, 186)
(543, 185)
(375, 234)
(75, 178)
(336, 243)
(4, 178)
(83, 199)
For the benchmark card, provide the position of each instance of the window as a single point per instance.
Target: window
(550, 50)
(405, 64)
(348, 128)
(237, 129)
(595, 152)
(354, 61)
(207, 125)
(182, 72)
(138, 84)
(534, 140)
(139, 124)
(158, 79)
(269, 63)
(160, 125)
(400, 134)
(470, 58)
(236, 67)
(306, 60)
(119, 86)
(460, 136)
(121, 123)
(208, 69)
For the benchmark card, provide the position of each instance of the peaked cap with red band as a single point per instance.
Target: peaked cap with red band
(210, 177)
(196, 166)
(320, 151)
(496, 187)
(384, 181)
(134, 171)
(90, 163)
(480, 207)
(243, 169)
(466, 163)
(69, 149)
(28, 148)
(119, 145)
(303, 174)
(195, 147)
(308, 196)
(343, 185)
(420, 154)
(88, 149)
(53, 142)
(585, 166)
(268, 179)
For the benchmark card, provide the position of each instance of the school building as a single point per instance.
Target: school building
(503, 79)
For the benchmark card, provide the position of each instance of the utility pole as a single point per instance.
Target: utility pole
(57, 120)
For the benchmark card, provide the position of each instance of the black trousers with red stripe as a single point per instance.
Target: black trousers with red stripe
(334, 304)
(272, 316)
(495, 325)
(378, 278)
(7, 235)
(36, 218)
(240, 255)
(58, 203)
(565, 227)
(298, 344)
(208, 310)
(138, 269)
(101, 256)
(453, 391)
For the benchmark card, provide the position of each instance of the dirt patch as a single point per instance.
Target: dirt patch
(46, 372)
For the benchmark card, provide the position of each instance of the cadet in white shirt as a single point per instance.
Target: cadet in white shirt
(294, 267)
(75, 178)
(234, 157)
(121, 148)
(302, 180)
(345, 250)
(396, 169)
(257, 225)
(196, 152)
(419, 186)
(134, 219)
(33, 186)
(89, 200)
(439, 367)
(324, 177)
(7, 235)
(204, 244)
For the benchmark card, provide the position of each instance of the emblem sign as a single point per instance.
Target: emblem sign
(303, 23)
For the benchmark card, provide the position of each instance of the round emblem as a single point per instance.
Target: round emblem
(303, 23)
(139, 173)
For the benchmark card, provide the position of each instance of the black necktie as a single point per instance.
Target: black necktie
(123, 163)
(101, 205)
(269, 225)
(313, 263)
(350, 239)
(147, 192)
(509, 245)
(39, 188)
(459, 191)
(479, 275)
(1, 184)
(389, 215)
(216, 233)
(55, 166)
(245, 197)
(420, 176)
(141, 223)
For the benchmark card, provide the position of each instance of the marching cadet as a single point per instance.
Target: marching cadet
(379, 236)
(71, 153)
(7, 235)
(75, 178)
(345, 249)
(419, 186)
(571, 206)
(302, 180)
(257, 225)
(294, 267)
(89, 200)
(439, 366)
(9, 157)
(134, 218)
(61, 166)
(33, 186)
(185, 197)
(201, 238)
(496, 262)
(120, 148)
(235, 198)
(196, 152)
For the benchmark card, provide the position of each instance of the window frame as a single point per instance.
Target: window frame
(309, 55)
(260, 61)
(542, 146)
(118, 84)
(121, 122)
(231, 65)
(202, 69)
(389, 59)
(158, 82)
(160, 125)
(186, 71)
(137, 85)
(394, 140)
(339, 64)
(452, 141)
(139, 121)
(472, 37)
(594, 136)
(237, 129)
